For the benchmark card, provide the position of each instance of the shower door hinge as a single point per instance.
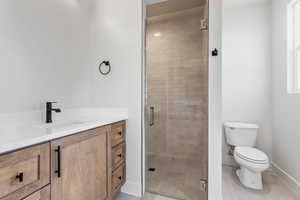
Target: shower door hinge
(204, 185)
(204, 25)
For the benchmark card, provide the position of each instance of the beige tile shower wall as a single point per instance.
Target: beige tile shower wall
(177, 80)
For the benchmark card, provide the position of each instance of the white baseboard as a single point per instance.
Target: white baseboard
(287, 178)
(132, 188)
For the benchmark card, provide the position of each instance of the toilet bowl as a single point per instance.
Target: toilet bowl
(252, 163)
(241, 137)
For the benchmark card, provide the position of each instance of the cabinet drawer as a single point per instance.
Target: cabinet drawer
(118, 155)
(43, 194)
(118, 133)
(118, 177)
(24, 171)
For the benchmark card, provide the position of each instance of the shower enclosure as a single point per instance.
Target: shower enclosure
(177, 99)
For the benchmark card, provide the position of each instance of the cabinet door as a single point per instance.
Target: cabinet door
(79, 166)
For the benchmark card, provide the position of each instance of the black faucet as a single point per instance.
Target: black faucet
(49, 110)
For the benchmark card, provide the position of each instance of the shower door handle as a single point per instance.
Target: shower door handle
(151, 115)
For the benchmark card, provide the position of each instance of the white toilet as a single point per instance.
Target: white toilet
(242, 138)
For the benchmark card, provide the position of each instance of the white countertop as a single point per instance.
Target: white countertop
(17, 136)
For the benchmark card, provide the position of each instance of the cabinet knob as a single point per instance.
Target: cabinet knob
(20, 177)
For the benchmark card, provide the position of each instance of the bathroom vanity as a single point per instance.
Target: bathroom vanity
(88, 164)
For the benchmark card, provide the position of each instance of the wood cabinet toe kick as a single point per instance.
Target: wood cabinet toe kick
(86, 165)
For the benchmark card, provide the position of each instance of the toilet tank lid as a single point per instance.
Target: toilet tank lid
(241, 125)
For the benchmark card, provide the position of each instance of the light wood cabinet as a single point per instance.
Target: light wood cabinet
(118, 177)
(118, 157)
(42, 194)
(117, 133)
(23, 172)
(89, 165)
(79, 170)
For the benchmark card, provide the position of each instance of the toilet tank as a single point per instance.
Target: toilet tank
(241, 134)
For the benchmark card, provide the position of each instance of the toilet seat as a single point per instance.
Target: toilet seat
(252, 155)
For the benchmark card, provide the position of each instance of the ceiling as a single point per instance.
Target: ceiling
(160, 7)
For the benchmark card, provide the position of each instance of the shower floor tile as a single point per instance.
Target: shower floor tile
(175, 178)
(274, 188)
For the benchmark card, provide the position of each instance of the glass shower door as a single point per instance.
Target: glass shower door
(177, 104)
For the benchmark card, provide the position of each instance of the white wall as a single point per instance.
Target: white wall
(286, 108)
(118, 36)
(246, 84)
(43, 55)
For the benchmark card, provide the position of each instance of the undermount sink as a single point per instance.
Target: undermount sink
(63, 124)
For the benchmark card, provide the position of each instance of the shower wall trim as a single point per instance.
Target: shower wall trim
(215, 105)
